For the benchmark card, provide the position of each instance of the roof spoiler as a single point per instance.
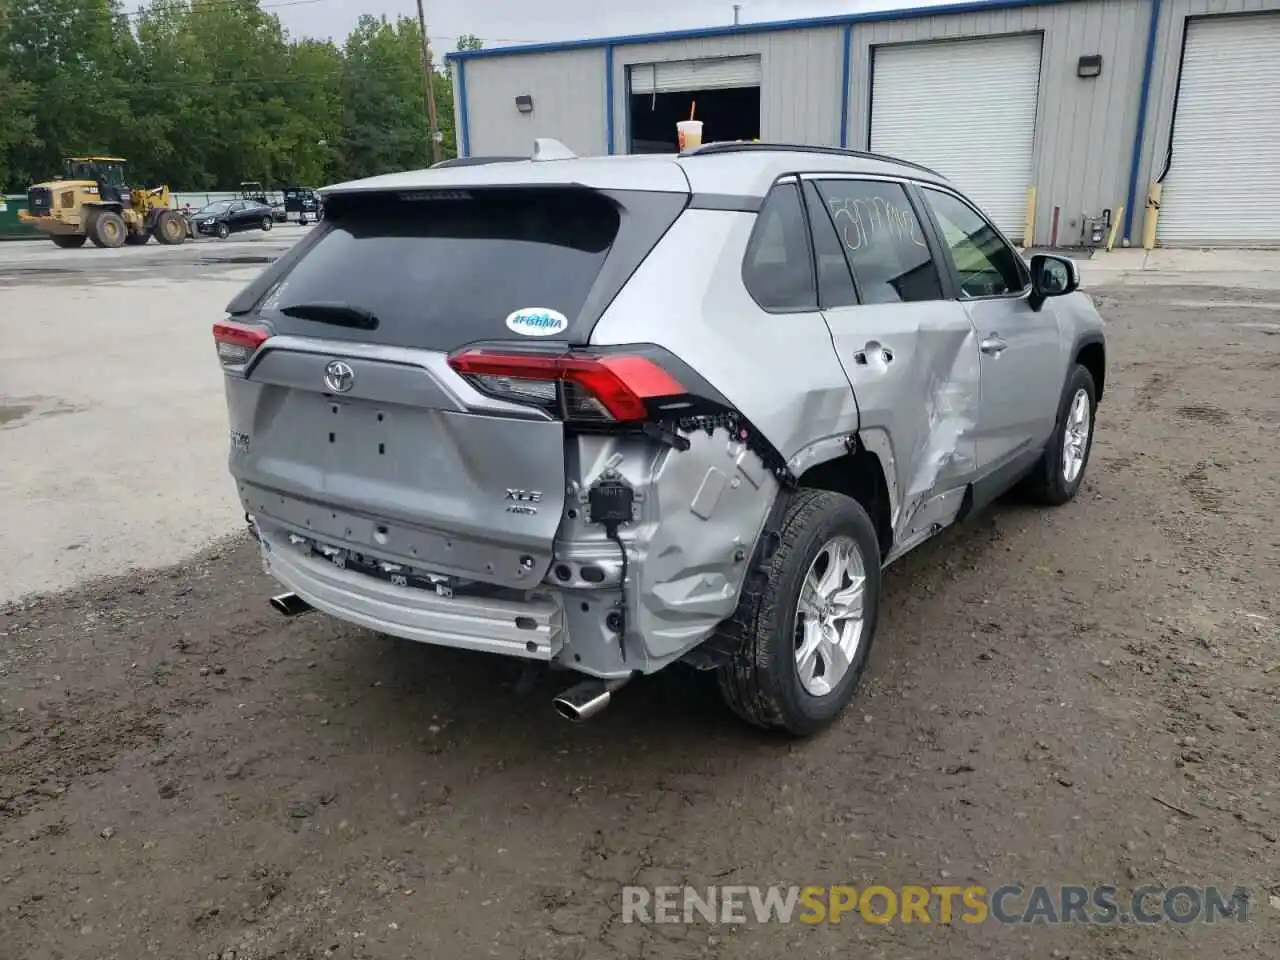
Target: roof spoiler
(544, 148)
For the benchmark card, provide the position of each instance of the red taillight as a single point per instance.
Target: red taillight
(236, 342)
(578, 386)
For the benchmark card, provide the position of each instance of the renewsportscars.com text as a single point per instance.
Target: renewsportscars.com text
(1006, 904)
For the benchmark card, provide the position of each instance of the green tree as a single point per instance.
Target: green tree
(17, 123)
(383, 123)
(203, 94)
(72, 55)
(469, 41)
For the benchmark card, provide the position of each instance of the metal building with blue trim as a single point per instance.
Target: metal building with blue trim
(1061, 117)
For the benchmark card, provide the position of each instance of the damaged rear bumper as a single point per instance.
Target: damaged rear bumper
(532, 629)
(697, 516)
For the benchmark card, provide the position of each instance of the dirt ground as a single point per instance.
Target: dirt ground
(185, 775)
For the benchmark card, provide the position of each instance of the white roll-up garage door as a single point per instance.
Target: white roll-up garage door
(682, 76)
(966, 108)
(1222, 186)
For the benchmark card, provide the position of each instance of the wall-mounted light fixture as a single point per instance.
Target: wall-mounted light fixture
(524, 103)
(1090, 66)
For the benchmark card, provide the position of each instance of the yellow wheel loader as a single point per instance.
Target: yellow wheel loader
(93, 202)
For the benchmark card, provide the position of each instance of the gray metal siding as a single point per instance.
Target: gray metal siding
(568, 102)
(1084, 128)
(1164, 86)
(800, 95)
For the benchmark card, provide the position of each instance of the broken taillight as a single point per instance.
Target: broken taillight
(236, 342)
(602, 387)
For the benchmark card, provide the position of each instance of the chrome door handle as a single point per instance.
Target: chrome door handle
(993, 345)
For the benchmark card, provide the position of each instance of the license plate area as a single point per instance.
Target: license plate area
(363, 432)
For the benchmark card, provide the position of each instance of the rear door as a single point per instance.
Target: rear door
(349, 424)
(908, 351)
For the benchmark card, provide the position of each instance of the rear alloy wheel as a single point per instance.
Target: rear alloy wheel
(69, 241)
(266, 224)
(222, 230)
(108, 230)
(171, 228)
(1057, 477)
(805, 621)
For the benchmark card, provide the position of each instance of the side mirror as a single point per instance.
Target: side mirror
(1052, 276)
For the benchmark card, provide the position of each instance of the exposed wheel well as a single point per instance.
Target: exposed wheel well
(1093, 357)
(859, 475)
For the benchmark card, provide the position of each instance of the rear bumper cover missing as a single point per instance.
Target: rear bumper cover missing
(532, 629)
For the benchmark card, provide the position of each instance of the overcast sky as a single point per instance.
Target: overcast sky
(506, 21)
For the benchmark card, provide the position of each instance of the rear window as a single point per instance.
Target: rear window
(439, 270)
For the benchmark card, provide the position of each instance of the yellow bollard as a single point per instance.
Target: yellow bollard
(1115, 226)
(1153, 216)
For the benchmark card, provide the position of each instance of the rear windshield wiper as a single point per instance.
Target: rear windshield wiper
(339, 314)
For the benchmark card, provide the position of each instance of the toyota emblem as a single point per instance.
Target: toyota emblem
(339, 377)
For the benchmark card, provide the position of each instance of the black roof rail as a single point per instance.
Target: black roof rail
(475, 161)
(734, 146)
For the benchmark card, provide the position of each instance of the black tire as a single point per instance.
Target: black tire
(108, 230)
(762, 684)
(69, 241)
(171, 228)
(266, 224)
(222, 230)
(137, 239)
(1047, 484)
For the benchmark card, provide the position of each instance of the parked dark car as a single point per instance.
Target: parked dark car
(225, 217)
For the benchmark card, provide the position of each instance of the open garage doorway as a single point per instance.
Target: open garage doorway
(726, 91)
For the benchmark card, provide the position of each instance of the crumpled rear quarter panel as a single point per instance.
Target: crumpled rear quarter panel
(698, 514)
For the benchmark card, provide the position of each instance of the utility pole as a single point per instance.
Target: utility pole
(433, 127)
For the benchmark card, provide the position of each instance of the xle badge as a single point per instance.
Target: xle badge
(521, 501)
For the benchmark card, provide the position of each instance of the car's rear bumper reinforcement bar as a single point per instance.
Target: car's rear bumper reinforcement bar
(532, 629)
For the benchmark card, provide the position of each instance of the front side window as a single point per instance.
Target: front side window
(883, 241)
(778, 270)
(987, 266)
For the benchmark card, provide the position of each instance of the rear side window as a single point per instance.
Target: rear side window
(835, 283)
(439, 270)
(778, 270)
(883, 241)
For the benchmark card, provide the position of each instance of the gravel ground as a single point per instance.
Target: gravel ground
(1087, 695)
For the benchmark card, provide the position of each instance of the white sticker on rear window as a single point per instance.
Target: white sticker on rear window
(537, 322)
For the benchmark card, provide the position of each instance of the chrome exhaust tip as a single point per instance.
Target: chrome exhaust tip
(583, 701)
(290, 604)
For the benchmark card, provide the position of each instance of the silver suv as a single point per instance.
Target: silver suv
(617, 413)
